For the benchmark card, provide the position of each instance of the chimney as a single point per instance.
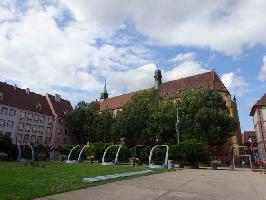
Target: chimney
(57, 98)
(15, 86)
(27, 90)
(157, 79)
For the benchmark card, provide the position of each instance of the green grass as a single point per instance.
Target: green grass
(19, 182)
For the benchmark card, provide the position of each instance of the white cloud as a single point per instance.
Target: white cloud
(36, 53)
(226, 26)
(235, 83)
(186, 65)
(183, 57)
(262, 74)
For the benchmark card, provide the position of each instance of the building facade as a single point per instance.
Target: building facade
(258, 112)
(173, 90)
(27, 117)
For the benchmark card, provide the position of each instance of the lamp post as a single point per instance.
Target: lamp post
(176, 126)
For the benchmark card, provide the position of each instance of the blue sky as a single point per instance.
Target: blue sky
(71, 46)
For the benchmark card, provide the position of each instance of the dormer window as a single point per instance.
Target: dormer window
(38, 107)
(1, 96)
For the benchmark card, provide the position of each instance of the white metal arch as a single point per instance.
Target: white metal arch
(165, 160)
(69, 155)
(116, 156)
(19, 158)
(233, 157)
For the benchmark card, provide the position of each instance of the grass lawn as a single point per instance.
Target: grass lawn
(19, 182)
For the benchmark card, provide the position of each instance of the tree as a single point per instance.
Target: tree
(146, 117)
(75, 121)
(103, 125)
(204, 116)
(87, 124)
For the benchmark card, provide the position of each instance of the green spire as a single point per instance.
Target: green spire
(104, 94)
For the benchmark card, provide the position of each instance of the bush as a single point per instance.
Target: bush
(7, 147)
(140, 152)
(62, 158)
(97, 149)
(3, 156)
(192, 152)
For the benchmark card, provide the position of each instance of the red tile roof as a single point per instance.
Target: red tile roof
(261, 102)
(171, 89)
(60, 107)
(19, 98)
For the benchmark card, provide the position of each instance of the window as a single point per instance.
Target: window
(19, 137)
(12, 112)
(60, 121)
(20, 126)
(35, 129)
(26, 138)
(38, 107)
(36, 118)
(28, 127)
(29, 116)
(49, 130)
(2, 122)
(41, 129)
(4, 111)
(8, 134)
(58, 130)
(42, 119)
(22, 115)
(47, 140)
(66, 131)
(33, 138)
(10, 124)
(40, 138)
(50, 120)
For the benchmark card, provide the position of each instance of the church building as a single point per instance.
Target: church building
(173, 90)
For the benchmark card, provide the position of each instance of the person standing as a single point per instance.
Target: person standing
(261, 165)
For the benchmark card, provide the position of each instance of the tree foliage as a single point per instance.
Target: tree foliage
(146, 117)
(87, 124)
(204, 116)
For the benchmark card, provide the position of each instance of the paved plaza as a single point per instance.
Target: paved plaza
(198, 184)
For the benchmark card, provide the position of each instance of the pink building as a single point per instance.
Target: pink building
(29, 117)
(258, 112)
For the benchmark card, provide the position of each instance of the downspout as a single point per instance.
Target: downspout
(53, 139)
(261, 127)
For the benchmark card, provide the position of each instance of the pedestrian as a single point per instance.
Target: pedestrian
(261, 165)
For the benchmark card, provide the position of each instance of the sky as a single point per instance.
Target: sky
(70, 47)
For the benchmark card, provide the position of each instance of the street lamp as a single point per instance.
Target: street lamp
(176, 126)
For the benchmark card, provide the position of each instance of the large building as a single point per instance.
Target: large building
(173, 90)
(258, 112)
(29, 117)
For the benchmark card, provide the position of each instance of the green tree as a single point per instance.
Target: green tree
(76, 120)
(144, 118)
(103, 125)
(204, 116)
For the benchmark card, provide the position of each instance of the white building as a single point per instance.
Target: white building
(258, 112)
(29, 117)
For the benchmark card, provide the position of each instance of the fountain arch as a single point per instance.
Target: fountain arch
(165, 160)
(19, 157)
(116, 156)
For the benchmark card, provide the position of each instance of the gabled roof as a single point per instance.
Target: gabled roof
(61, 107)
(17, 97)
(171, 89)
(261, 102)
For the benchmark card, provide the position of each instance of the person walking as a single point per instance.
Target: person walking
(261, 165)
